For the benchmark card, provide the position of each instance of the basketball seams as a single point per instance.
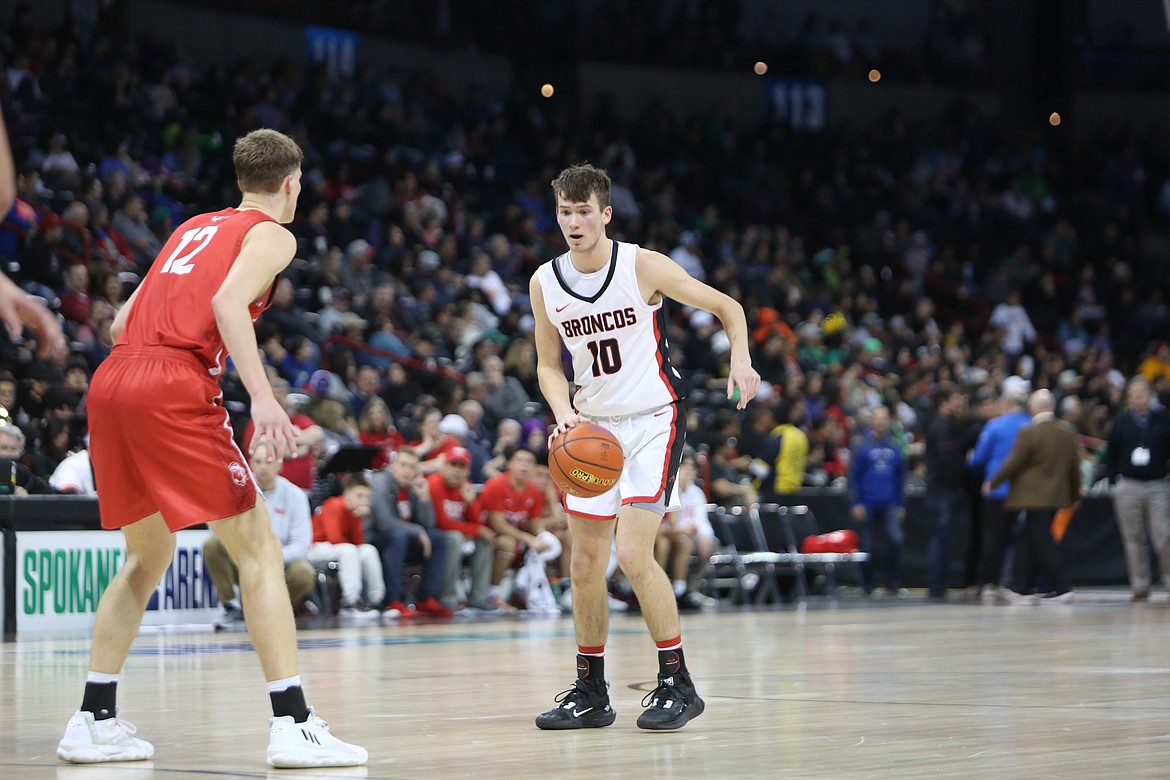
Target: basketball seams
(585, 462)
(554, 463)
(566, 447)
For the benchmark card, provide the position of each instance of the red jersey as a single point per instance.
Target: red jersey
(445, 445)
(334, 523)
(173, 307)
(451, 513)
(390, 441)
(518, 506)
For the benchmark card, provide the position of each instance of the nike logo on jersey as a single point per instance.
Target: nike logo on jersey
(562, 308)
(217, 219)
(659, 414)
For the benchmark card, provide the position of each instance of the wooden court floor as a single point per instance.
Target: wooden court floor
(859, 690)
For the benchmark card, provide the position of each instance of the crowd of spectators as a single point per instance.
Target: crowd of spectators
(874, 262)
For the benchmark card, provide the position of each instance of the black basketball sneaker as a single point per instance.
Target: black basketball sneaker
(584, 706)
(672, 704)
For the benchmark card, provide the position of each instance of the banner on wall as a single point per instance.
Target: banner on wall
(61, 576)
(802, 104)
(330, 46)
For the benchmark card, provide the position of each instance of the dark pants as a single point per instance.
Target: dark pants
(1037, 555)
(975, 536)
(399, 546)
(945, 508)
(997, 537)
(881, 520)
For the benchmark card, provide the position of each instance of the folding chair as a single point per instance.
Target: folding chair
(787, 527)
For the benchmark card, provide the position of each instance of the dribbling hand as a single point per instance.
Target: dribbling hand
(564, 425)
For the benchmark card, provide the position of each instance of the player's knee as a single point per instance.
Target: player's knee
(586, 566)
(634, 559)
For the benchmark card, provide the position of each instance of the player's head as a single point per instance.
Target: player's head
(268, 164)
(583, 206)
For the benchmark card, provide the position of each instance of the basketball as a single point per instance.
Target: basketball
(586, 460)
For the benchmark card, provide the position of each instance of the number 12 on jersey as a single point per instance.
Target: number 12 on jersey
(179, 263)
(606, 357)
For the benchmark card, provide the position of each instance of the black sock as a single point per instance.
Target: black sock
(290, 701)
(100, 699)
(671, 661)
(590, 667)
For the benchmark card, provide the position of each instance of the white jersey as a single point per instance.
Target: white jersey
(616, 340)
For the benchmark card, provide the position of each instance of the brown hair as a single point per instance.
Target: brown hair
(355, 480)
(263, 158)
(365, 425)
(945, 392)
(578, 182)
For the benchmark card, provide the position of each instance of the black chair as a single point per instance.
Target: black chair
(786, 527)
(743, 556)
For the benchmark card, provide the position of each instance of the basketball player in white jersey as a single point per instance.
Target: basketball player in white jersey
(603, 299)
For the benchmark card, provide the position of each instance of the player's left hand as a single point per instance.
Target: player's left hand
(744, 379)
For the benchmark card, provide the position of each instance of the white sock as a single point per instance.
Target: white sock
(680, 587)
(276, 686)
(101, 679)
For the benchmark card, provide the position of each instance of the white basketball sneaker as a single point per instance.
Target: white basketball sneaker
(309, 744)
(89, 741)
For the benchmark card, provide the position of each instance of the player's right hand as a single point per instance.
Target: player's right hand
(564, 425)
(274, 436)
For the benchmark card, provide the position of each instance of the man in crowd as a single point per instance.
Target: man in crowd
(991, 450)
(457, 513)
(1135, 461)
(1045, 474)
(401, 525)
(288, 508)
(945, 467)
(877, 476)
(514, 508)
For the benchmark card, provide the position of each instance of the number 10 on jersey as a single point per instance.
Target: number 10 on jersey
(606, 357)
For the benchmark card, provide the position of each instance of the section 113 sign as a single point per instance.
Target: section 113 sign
(802, 104)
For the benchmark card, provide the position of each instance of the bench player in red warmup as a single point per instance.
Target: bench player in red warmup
(164, 457)
(603, 301)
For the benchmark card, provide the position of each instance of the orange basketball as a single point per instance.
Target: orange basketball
(586, 460)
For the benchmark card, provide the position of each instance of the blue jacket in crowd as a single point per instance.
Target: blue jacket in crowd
(994, 444)
(877, 472)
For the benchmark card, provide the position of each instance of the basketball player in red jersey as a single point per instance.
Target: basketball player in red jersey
(164, 457)
(603, 301)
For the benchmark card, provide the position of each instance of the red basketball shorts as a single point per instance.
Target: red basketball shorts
(161, 441)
